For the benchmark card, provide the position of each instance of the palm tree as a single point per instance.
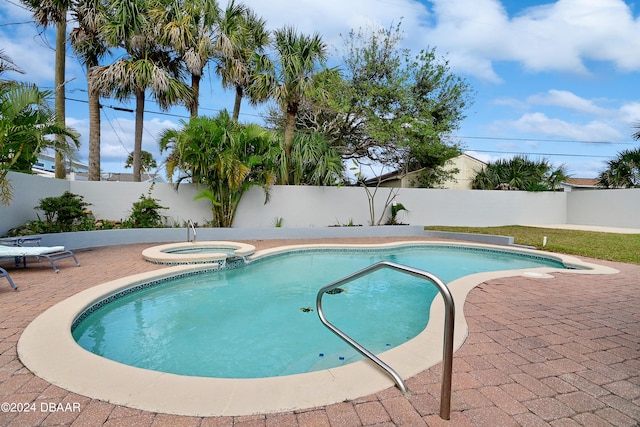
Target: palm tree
(312, 161)
(7, 64)
(291, 79)
(148, 162)
(188, 26)
(46, 12)
(623, 171)
(90, 47)
(26, 120)
(147, 66)
(225, 157)
(242, 40)
(554, 177)
(636, 135)
(520, 173)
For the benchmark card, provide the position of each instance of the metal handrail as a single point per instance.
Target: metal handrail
(191, 226)
(449, 319)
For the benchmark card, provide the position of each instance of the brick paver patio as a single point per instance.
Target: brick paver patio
(559, 352)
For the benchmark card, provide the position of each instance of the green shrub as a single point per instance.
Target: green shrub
(144, 213)
(63, 213)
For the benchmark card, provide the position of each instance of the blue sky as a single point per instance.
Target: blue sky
(558, 80)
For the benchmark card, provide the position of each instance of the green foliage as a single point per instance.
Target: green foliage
(520, 173)
(224, 157)
(26, 122)
(623, 171)
(290, 79)
(311, 161)
(64, 213)
(69, 213)
(395, 208)
(431, 159)
(144, 213)
(387, 105)
(147, 161)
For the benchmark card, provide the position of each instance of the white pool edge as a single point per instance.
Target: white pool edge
(48, 349)
(160, 254)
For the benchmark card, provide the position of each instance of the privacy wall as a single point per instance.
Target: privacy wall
(307, 206)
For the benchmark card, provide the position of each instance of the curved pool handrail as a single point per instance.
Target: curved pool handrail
(191, 226)
(447, 352)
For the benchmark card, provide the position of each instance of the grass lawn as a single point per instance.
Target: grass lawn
(607, 246)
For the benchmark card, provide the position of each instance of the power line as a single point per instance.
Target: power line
(160, 113)
(455, 136)
(17, 4)
(538, 154)
(15, 23)
(541, 140)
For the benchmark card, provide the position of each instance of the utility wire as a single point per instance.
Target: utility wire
(538, 154)
(129, 110)
(540, 140)
(15, 23)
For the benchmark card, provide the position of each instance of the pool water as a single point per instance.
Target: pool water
(260, 320)
(202, 250)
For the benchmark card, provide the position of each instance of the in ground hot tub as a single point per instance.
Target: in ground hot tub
(198, 252)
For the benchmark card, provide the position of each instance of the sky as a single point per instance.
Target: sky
(554, 80)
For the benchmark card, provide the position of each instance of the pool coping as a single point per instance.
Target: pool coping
(47, 348)
(159, 255)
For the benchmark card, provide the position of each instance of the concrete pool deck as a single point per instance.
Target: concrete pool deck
(540, 351)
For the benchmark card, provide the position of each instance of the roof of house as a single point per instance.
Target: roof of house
(582, 182)
(396, 174)
(128, 177)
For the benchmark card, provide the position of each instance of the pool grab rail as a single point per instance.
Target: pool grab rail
(191, 226)
(447, 352)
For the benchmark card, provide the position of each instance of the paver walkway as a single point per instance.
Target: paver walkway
(559, 352)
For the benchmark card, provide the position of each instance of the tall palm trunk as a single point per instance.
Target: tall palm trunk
(94, 131)
(289, 130)
(137, 147)
(195, 88)
(61, 35)
(237, 102)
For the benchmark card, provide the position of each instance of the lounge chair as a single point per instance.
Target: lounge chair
(4, 273)
(51, 253)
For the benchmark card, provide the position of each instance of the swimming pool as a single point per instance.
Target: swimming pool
(48, 349)
(259, 320)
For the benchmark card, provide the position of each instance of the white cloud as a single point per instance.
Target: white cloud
(539, 124)
(559, 36)
(630, 114)
(510, 102)
(32, 49)
(587, 120)
(331, 18)
(116, 139)
(37, 61)
(568, 100)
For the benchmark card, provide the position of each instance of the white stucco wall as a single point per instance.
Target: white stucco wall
(306, 206)
(114, 200)
(27, 192)
(323, 206)
(618, 208)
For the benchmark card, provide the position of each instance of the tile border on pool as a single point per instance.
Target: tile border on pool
(238, 264)
(468, 247)
(144, 285)
(161, 254)
(48, 349)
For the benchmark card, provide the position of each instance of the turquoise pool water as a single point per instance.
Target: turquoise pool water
(203, 250)
(260, 320)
